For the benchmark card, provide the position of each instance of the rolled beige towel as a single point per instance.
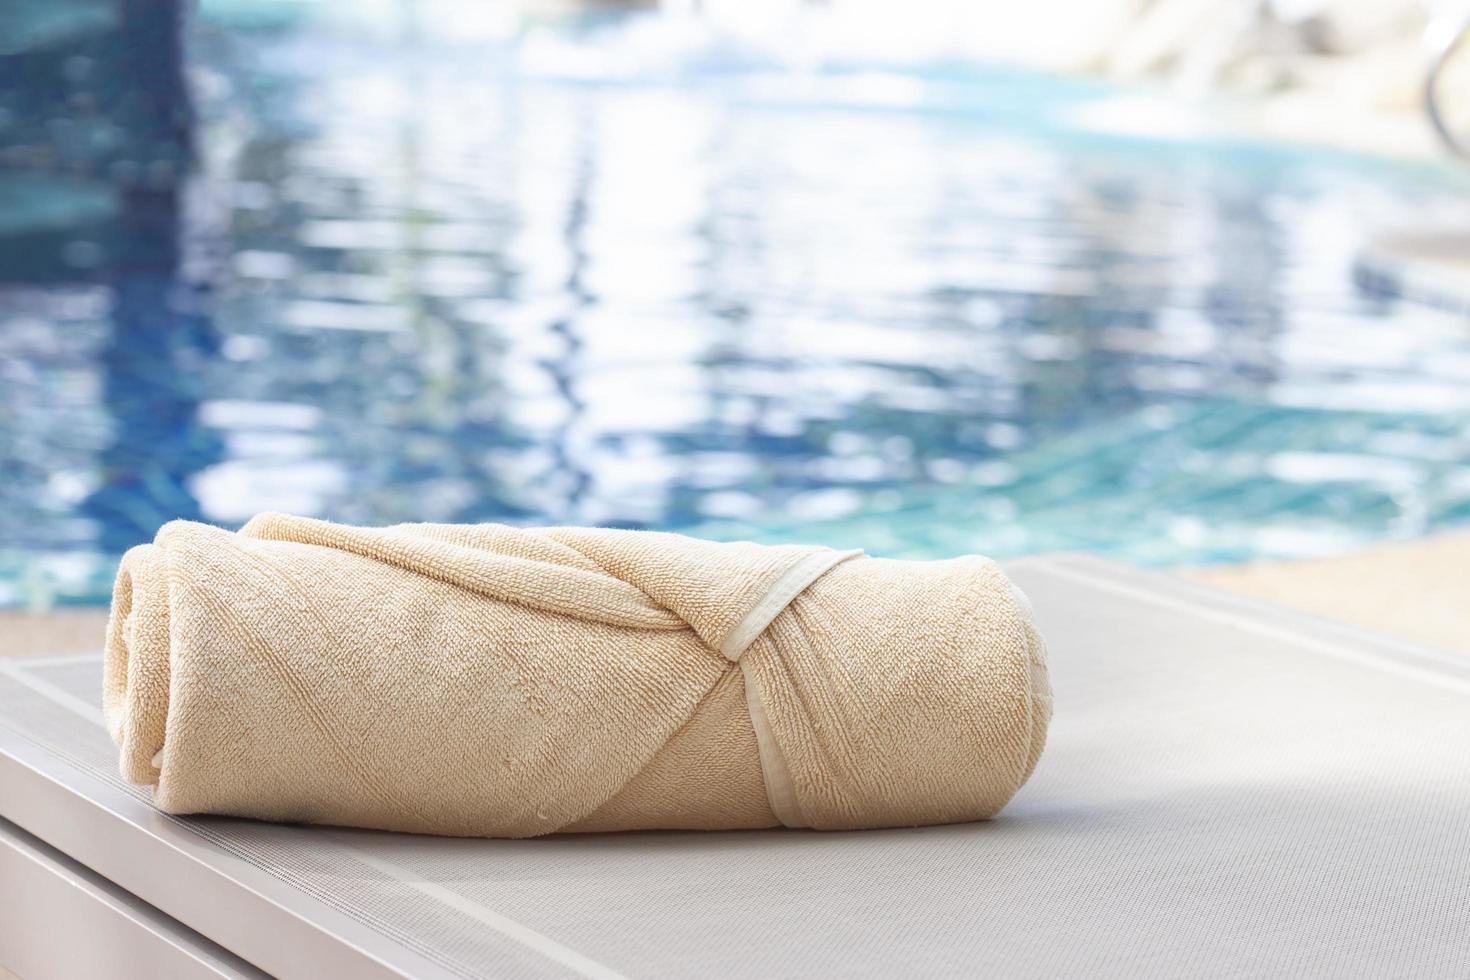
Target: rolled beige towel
(502, 682)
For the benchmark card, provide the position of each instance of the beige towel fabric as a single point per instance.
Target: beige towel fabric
(504, 682)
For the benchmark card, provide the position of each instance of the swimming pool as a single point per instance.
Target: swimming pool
(925, 309)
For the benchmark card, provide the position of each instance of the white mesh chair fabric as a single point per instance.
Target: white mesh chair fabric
(1228, 791)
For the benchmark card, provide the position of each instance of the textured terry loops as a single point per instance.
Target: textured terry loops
(495, 681)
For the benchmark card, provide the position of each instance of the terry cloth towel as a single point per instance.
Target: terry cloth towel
(502, 682)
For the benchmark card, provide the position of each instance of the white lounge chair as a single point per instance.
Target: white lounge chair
(1229, 789)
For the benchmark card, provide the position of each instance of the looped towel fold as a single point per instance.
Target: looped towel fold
(503, 682)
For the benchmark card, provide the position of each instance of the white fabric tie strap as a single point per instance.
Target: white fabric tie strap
(787, 587)
(780, 791)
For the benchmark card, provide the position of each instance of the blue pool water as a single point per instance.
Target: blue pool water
(572, 275)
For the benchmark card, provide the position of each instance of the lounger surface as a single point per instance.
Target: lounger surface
(1228, 790)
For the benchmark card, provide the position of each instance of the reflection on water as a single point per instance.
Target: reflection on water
(411, 280)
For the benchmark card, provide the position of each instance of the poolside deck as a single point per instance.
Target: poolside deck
(1414, 590)
(57, 631)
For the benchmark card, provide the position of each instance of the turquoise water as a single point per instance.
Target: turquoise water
(573, 275)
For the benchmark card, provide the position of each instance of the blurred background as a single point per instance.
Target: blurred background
(1178, 281)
